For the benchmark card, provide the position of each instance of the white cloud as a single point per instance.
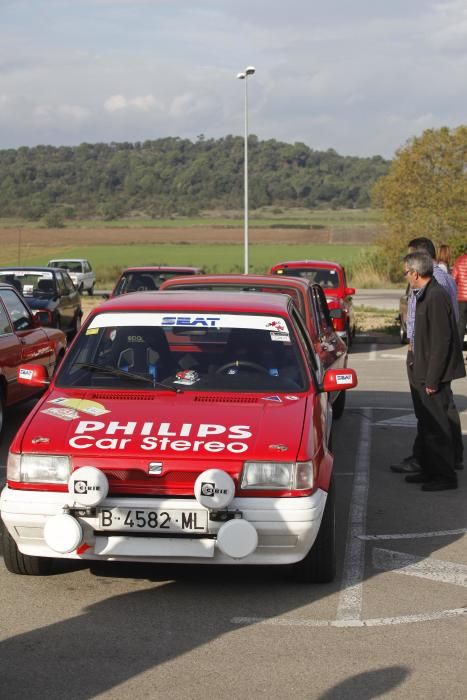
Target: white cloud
(119, 102)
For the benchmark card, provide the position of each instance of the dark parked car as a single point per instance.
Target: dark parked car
(50, 292)
(22, 340)
(150, 278)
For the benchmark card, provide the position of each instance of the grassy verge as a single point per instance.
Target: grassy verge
(374, 321)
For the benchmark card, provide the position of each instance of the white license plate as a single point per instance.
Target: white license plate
(153, 520)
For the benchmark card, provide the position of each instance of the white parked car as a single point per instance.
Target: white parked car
(80, 271)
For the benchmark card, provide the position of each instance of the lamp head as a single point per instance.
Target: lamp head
(241, 76)
(250, 70)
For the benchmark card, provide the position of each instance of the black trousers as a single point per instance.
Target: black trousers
(462, 323)
(418, 399)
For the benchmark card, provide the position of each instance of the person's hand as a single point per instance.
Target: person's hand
(429, 390)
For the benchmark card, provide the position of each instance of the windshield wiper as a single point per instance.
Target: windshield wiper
(127, 375)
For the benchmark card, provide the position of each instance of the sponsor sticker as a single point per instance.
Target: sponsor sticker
(281, 337)
(25, 373)
(276, 399)
(92, 331)
(91, 408)
(187, 377)
(343, 378)
(291, 397)
(62, 413)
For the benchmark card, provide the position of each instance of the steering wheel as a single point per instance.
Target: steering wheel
(242, 363)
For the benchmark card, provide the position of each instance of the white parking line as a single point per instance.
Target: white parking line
(422, 567)
(414, 535)
(372, 353)
(371, 622)
(350, 599)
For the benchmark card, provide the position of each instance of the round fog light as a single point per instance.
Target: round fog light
(214, 489)
(63, 533)
(88, 486)
(237, 538)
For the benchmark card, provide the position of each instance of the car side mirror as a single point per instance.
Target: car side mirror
(33, 376)
(339, 379)
(42, 317)
(349, 291)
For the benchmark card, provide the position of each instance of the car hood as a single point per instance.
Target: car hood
(189, 426)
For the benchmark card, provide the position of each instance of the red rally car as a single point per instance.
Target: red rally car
(184, 427)
(332, 278)
(310, 300)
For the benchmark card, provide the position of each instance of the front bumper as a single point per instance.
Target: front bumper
(286, 528)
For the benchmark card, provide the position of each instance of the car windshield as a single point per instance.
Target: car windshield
(143, 280)
(185, 352)
(70, 265)
(327, 278)
(30, 283)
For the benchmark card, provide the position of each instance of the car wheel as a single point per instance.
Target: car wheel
(402, 334)
(349, 336)
(91, 291)
(338, 406)
(23, 564)
(319, 565)
(76, 326)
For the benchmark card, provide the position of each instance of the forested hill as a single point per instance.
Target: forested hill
(174, 175)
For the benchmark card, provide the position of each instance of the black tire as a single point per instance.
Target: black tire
(402, 334)
(23, 564)
(319, 565)
(338, 406)
(76, 327)
(91, 291)
(349, 337)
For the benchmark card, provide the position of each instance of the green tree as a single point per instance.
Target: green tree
(425, 193)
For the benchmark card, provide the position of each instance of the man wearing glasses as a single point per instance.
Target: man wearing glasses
(436, 361)
(412, 463)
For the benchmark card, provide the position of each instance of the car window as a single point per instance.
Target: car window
(306, 344)
(213, 352)
(325, 277)
(322, 311)
(5, 326)
(62, 290)
(20, 315)
(30, 283)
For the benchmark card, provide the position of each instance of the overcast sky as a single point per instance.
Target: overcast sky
(359, 76)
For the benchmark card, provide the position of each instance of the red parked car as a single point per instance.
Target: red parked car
(332, 278)
(150, 278)
(310, 301)
(23, 340)
(185, 427)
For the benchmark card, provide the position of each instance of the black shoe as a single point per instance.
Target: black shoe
(440, 485)
(420, 478)
(408, 465)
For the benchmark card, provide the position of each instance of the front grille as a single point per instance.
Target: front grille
(228, 399)
(140, 396)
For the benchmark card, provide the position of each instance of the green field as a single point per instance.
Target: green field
(214, 258)
(267, 218)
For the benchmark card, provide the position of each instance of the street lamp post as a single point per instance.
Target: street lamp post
(244, 76)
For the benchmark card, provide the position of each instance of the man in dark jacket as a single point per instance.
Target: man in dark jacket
(437, 360)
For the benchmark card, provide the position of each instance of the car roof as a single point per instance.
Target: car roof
(308, 263)
(228, 302)
(30, 268)
(68, 260)
(161, 268)
(246, 280)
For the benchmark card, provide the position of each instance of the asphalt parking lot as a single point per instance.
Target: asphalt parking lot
(392, 624)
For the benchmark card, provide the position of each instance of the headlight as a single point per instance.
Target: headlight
(278, 475)
(31, 468)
